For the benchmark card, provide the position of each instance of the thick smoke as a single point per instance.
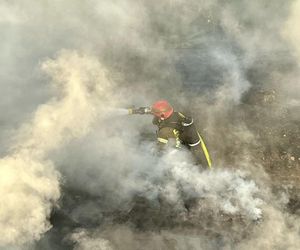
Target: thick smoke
(29, 181)
(290, 30)
(78, 174)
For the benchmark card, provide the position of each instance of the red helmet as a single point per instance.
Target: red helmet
(162, 109)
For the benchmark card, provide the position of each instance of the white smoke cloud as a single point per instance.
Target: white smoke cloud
(290, 30)
(10, 14)
(29, 181)
(86, 242)
(227, 191)
(291, 33)
(28, 189)
(168, 184)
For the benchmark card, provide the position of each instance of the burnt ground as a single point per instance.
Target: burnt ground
(277, 129)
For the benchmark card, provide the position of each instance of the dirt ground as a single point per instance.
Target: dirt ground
(278, 132)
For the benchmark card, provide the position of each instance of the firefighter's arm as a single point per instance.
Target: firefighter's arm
(186, 120)
(162, 138)
(161, 143)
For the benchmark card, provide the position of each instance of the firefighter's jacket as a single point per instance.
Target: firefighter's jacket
(180, 131)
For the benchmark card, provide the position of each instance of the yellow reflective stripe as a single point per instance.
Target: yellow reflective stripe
(162, 140)
(176, 134)
(204, 148)
(181, 115)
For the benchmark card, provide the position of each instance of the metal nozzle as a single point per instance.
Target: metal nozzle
(130, 111)
(141, 110)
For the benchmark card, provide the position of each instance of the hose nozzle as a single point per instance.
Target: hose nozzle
(140, 111)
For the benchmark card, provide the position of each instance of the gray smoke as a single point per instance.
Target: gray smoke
(76, 173)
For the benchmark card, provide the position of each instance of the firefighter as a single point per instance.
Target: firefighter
(177, 129)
